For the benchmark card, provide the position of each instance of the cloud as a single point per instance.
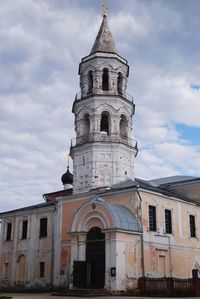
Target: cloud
(41, 45)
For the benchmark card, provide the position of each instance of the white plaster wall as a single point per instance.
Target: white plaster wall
(32, 248)
(105, 164)
(97, 64)
(102, 160)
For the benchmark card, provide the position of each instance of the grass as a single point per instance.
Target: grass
(4, 297)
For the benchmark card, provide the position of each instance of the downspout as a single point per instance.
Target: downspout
(141, 236)
(53, 245)
(170, 257)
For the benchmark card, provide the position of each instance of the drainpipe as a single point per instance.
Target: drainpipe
(53, 245)
(170, 257)
(141, 236)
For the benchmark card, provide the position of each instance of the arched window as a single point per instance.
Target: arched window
(90, 81)
(105, 123)
(86, 124)
(119, 83)
(105, 80)
(123, 126)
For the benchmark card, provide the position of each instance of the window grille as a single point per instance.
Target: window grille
(152, 218)
(168, 221)
(192, 226)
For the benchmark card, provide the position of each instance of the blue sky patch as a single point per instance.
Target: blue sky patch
(195, 86)
(190, 133)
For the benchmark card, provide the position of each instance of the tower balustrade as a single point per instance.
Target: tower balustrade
(101, 137)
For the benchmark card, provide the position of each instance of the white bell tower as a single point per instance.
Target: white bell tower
(103, 151)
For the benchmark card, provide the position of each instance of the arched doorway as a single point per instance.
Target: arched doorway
(95, 258)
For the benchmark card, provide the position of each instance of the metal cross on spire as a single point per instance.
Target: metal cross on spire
(67, 160)
(105, 8)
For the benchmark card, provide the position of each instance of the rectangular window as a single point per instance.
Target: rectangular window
(9, 231)
(42, 269)
(168, 221)
(152, 218)
(192, 226)
(24, 229)
(43, 227)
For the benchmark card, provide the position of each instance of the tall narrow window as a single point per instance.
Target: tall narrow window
(42, 269)
(192, 226)
(105, 118)
(43, 227)
(86, 124)
(119, 83)
(168, 221)
(9, 232)
(105, 80)
(123, 125)
(24, 229)
(152, 218)
(90, 81)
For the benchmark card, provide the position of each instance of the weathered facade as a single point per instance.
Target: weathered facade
(109, 228)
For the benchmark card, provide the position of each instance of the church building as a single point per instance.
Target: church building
(106, 228)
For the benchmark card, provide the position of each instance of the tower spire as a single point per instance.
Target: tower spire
(104, 41)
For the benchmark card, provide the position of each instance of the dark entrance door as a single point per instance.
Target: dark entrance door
(79, 274)
(95, 258)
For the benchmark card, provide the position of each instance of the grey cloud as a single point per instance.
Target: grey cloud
(41, 44)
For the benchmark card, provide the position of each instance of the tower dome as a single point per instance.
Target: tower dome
(67, 179)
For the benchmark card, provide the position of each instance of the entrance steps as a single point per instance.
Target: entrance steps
(82, 293)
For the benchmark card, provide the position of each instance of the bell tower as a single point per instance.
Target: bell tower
(103, 151)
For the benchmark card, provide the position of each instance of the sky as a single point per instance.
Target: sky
(41, 45)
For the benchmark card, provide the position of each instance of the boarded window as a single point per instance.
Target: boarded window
(21, 268)
(43, 227)
(168, 221)
(24, 229)
(42, 269)
(152, 218)
(192, 226)
(6, 270)
(9, 232)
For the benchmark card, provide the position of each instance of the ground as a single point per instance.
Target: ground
(48, 296)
